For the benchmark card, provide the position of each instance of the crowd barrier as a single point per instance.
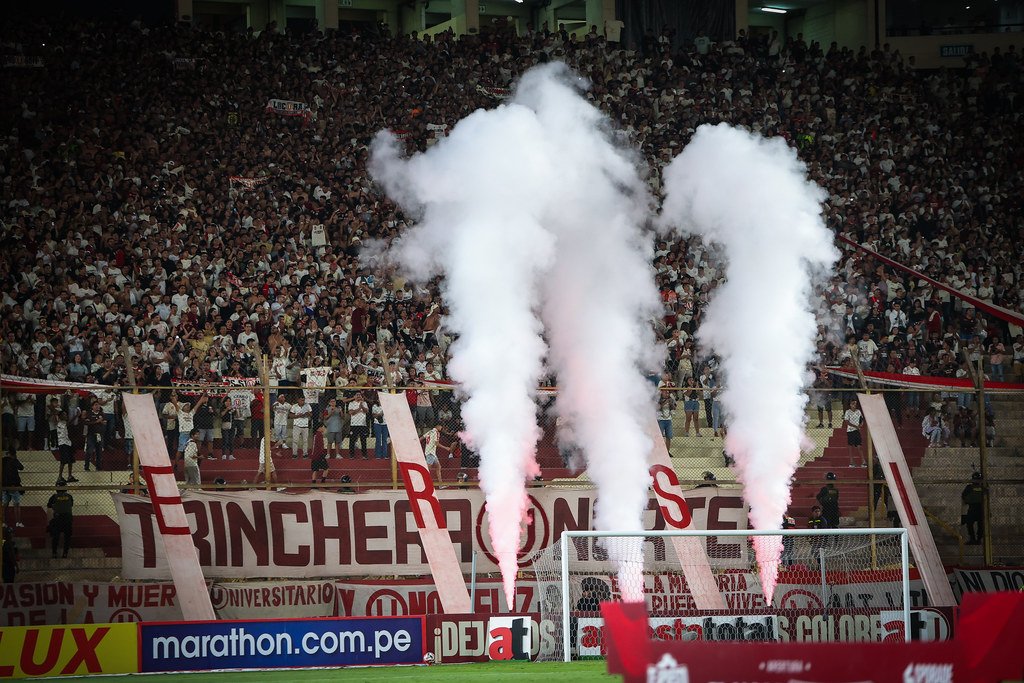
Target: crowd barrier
(981, 434)
(37, 604)
(153, 647)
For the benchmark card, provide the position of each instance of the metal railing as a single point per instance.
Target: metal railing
(981, 433)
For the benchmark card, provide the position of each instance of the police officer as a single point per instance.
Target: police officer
(815, 521)
(973, 497)
(710, 481)
(828, 498)
(59, 511)
(788, 541)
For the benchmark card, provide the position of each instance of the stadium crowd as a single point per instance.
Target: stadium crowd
(154, 204)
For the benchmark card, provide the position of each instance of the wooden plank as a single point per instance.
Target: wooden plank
(904, 496)
(180, 551)
(437, 542)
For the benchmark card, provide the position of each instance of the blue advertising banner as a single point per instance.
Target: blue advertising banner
(183, 646)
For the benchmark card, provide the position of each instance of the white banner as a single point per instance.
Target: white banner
(382, 598)
(247, 183)
(259, 534)
(22, 62)
(32, 604)
(26, 604)
(289, 108)
(315, 377)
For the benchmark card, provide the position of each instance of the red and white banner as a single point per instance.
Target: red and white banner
(412, 597)
(247, 183)
(225, 387)
(897, 474)
(290, 108)
(256, 534)
(1012, 317)
(37, 604)
(495, 92)
(430, 518)
(31, 385)
(922, 382)
(692, 554)
(165, 499)
(28, 604)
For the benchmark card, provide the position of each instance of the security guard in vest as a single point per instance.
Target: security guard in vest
(973, 498)
(816, 521)
(59, 511)
(828, 499)
(710, 481)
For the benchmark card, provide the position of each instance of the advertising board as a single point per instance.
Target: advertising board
(270, 644)
(29, 651)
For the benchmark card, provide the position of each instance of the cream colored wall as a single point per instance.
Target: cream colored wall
(925, 49)
(851, 24)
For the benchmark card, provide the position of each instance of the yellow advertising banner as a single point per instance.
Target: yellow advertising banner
(29, 651)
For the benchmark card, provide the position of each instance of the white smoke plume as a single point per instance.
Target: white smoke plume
(751, 198)
(479, 194)
(599, 299)
(529, 210)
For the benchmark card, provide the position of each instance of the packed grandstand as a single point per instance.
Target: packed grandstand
(186, 214)
(152, 198)
(199, 201)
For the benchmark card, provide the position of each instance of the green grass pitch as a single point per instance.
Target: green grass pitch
(490, 672)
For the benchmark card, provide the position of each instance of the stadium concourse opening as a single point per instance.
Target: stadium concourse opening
(189, 212)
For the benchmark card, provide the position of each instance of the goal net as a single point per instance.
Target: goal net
(836, 585)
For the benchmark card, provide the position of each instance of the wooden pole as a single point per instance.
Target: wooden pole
(986, 529)
(978, 377)
(132, 381)
(2, 445)
(265, 381)
(391, 446)
(869, 446)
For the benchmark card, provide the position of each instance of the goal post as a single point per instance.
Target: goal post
(832, 585)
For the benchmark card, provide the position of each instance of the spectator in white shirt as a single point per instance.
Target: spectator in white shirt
(281, 411)
(300, 413)
(851, 420)
(359, 425)
(186, 415)
(896, 317)
(191, 451)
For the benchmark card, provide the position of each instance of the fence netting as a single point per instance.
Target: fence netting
(965, 450)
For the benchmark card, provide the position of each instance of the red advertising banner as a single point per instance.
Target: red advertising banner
(986, 649)
(257, 534)
(636, 651)
(465, 638)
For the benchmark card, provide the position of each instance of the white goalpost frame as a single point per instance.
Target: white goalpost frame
(566, 535)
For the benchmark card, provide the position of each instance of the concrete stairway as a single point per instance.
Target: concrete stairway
(1005, 461)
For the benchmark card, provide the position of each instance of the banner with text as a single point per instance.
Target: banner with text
(32, 651)
(280, 643)
(36, 604)
(257, 534)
